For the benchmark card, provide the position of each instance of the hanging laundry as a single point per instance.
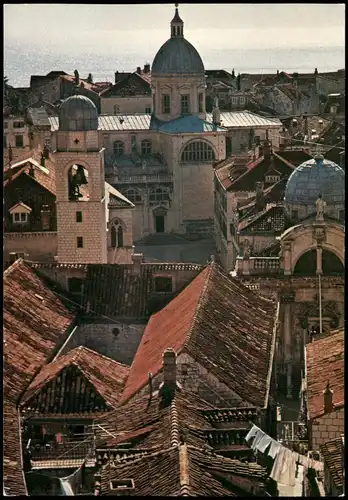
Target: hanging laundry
(251, 433)
(274, 449)
(264, 443)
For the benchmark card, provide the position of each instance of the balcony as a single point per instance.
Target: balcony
(139, 179)
(258, 266)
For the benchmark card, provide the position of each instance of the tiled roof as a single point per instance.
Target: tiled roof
(14, 479)
(210, 321)
(325, 363)
(45, 176)
(38, 116)
(118, 291)
(244, 119)
(333, 454)
(104, 375)
(295, 156)
(270, 219)
(185, 471)
(115, 122)
(189, 124)
(35, 321)
(147, 422)
(132, 85)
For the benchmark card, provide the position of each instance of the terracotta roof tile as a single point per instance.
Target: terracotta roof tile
(210, 320)
(333, 454)
(35, 321)
(105, 375)
(185, 470)
(118, 291)
(325, 362)
(14, 480)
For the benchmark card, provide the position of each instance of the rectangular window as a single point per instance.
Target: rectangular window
(79, 242)
(16, 217)
(148, 111)
(18, 124)
(23, 217)
(200, 102)
(234, 100)
(78, 216)
(163, 284)
(19, 141)
(242, 100)
(5, 124)
(185, 104)
(166, 103)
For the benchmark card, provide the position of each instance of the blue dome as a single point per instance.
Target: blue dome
(314, 177)
(177, 56)
(78, 113)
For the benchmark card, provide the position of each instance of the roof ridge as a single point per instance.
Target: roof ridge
(13, 266)
(174, 424)
(184, 471)
(199, 304)
(84, 348)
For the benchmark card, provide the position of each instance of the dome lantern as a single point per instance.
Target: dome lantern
(177, 24)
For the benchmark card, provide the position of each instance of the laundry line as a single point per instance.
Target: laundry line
(285, 460)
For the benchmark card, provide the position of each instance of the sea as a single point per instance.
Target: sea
(21, 61)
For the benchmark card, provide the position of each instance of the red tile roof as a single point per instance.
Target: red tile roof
(325, 362)
(105, 375)
(35, 321)
(333, 454)
(46, 180)
(210, 320)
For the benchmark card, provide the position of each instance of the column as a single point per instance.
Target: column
(287, 258)
(319, 260)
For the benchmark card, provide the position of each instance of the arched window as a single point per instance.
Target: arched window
(197, 151)
(159, 195)
(118, 148)
(78, 183)
(146, 147)
(133, 195)
(116, 235)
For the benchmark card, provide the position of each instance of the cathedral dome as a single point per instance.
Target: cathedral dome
(313, 178)
(78, 113)
(175, 56)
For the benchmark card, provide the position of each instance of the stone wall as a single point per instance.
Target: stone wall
(41, 246)
(126, 105)
(115, 340)
(326, 428)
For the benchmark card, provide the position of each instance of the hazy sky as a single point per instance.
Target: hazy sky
(100, 28)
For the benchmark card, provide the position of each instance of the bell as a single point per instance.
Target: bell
(80, 177)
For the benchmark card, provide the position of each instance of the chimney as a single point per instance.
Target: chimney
(13, 257)
(169, 369)
(260, 197)
(267, 150)
(116, 77)
(139, 70)
(328, 404)
(147, 68)
(137, 259)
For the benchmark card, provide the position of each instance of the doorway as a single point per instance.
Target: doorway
(159, 223)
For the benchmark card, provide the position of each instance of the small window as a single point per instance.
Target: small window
(115, 332)
(20, 217)
(234, 100)
(5, 124)
(19, 141)
(118, 148)
(79, 242)
(342, 215)
(294, 214)
(185, 108)
(166, 103)
(146, 147)
(18, 124)
(163, 284)
(116, 235)
(116, 109)
(78, 216)
(242, 100)
(124, 484)
(148, 111)
(200, 102)
(45, 217)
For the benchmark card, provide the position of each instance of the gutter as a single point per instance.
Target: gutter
(272, 355)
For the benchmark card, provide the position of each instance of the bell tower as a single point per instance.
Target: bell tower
(80, 184)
